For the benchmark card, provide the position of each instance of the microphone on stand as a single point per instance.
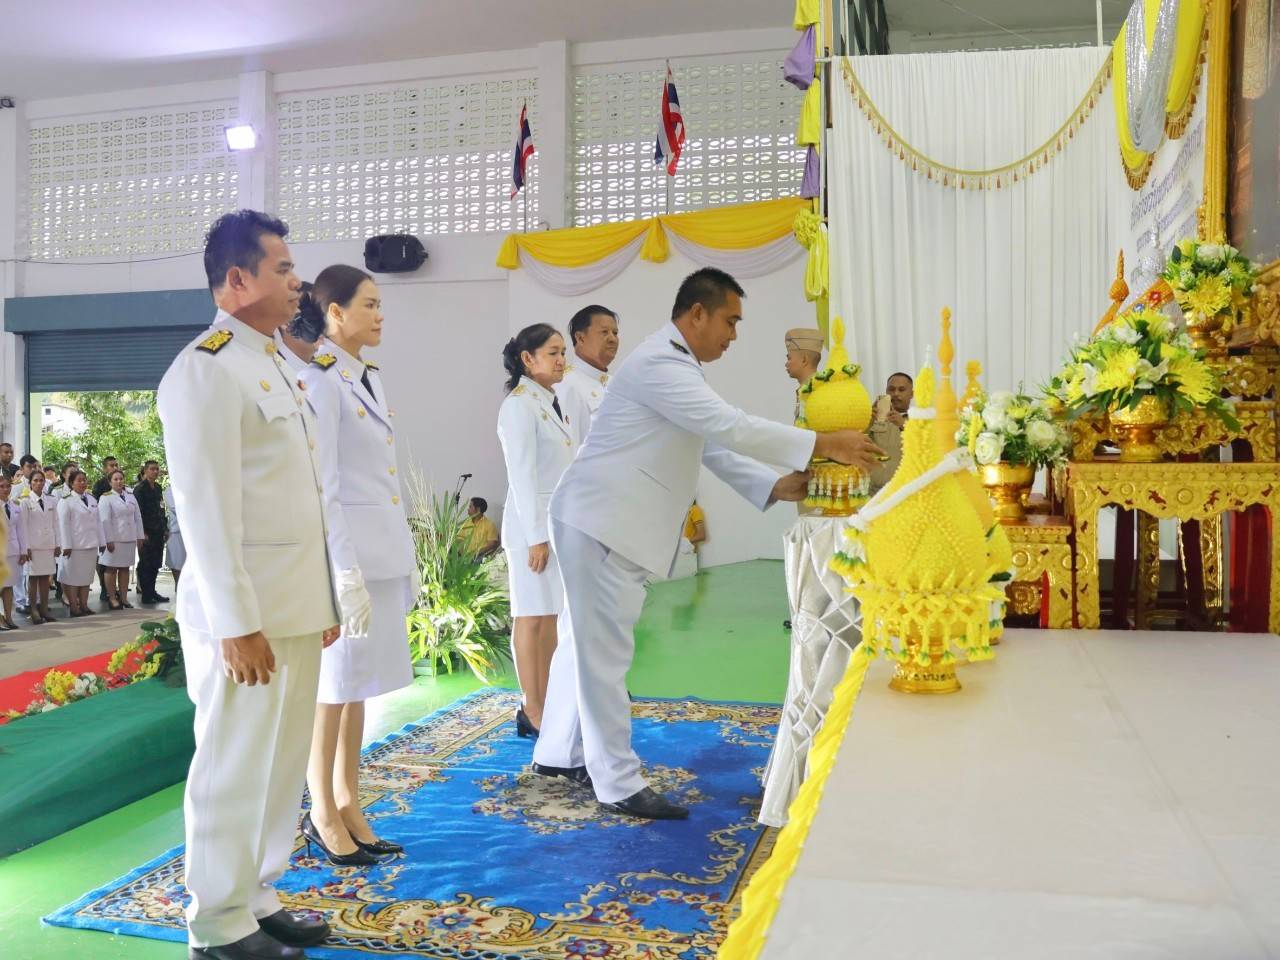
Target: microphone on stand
(462, 482)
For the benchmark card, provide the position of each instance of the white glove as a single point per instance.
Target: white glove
(354, 600)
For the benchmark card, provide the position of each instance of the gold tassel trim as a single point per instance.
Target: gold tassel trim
(994, 178)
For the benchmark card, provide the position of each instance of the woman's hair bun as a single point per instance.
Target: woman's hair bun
(309, 324)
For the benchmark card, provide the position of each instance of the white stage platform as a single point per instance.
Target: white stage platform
(1088, 794)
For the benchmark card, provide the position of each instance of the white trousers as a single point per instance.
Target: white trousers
(244, 790)
(587, 718)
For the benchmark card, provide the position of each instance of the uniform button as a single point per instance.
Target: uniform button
(265, 386)
(391, 413)
(279, 362)
(270, 346)
(360, 412)
(299, 400)
(390, 441)
(395, 500)
(311, 444)
(391, 470)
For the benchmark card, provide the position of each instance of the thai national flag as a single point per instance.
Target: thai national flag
(671, 129)
(524, 150)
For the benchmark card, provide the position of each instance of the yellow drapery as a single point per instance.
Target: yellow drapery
(1183, 82)
(763, 894)
(740, 227)
(807, 12)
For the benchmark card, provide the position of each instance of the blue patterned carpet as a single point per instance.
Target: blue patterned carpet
(504, 865)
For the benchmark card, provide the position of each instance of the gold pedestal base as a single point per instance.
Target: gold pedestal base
(937, 677)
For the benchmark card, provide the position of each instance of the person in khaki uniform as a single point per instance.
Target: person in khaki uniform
(804, 359)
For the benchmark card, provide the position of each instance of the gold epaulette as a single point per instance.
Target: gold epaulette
(324, 360)
(370, 365)
(517, 391)
(215, 341)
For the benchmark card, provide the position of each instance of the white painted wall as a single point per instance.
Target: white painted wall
(750, 375)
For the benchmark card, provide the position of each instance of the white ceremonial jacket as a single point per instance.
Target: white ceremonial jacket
(121, 518)
(16, 529)
(581, 392)
(79, 525)
(537, 446)
(636, 476)
(240, 443)
(40, 517)
(291, 358)
(367, 524)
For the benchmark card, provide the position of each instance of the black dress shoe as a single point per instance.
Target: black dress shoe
(578, 775)
(524, 726)
(155, 598)
(380, 848)
(359, 857)
(648, 805)
(256, 946)
(295, 929)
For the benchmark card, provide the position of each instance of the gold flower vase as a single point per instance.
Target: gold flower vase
(1008, 485)
(1135, 429)
(935, 677)
(1209, 332)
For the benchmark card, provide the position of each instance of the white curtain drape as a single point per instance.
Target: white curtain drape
(1023, 268)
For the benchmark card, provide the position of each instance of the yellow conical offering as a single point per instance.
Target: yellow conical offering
(918, 562)
(835, 399)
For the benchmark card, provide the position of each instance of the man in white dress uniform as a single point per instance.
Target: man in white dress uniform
(593, 331)
(256, 602)
(658, 423)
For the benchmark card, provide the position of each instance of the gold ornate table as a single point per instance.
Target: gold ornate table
(1041, 548)
(1187, 491)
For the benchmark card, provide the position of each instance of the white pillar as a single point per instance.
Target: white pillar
(552, 139)
(13, 163)
(257, 167)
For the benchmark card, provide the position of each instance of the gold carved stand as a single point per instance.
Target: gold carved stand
(1041, 550)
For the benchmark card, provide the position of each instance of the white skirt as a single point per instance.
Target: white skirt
(534, 594)
(355, 669)
(177, 552)
(41, 564)
(13, 571)
(125, 555)
(80, 569)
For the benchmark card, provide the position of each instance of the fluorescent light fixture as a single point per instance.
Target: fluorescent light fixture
(242, 137)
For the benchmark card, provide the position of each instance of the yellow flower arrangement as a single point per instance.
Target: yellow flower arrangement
(1211, 279)
(58, 685)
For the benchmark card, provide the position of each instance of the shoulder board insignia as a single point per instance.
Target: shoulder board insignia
(517, 391)
(370, 365)
(324, 360)
(682, 348)
(215, 341)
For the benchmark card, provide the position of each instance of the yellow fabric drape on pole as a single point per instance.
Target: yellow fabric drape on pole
(1188, 41)
(807, 12)
(740, 227)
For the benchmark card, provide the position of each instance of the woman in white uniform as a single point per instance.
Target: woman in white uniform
(370, 548)
(176, 551)
(41, 520)
(15, 550)
(80, 533)
(537, 445)
(122, 528)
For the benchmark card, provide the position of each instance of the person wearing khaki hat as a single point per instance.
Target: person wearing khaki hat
(804, 354)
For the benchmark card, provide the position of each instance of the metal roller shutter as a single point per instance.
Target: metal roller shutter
(123, 359)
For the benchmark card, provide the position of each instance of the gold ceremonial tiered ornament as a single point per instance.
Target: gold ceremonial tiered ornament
(835, 399)
(925, 557)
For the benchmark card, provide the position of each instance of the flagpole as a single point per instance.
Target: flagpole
(665, 80)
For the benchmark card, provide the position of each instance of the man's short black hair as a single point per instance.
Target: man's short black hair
(581, 321)
(108, 459)
(27, 458)
(6, 443)
(901, 374)
(709, 287)
(480, 503)
(151, 463)
(234, 240)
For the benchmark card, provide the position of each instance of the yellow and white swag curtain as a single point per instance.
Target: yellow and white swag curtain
(748, 240)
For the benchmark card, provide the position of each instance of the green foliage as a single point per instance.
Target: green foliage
(122, 424)
(462, 611)
(166, 656)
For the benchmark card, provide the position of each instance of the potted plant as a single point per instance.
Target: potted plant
(1212, 283)
(1010, 436)
(462, 614)
(1140, 370)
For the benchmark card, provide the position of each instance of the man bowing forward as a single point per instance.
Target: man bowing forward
(658, 423)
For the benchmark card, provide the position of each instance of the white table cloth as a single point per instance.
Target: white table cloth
(825, 629)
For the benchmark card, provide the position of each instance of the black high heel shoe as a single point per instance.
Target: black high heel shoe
(380, 848)
(359, 857)
(524, 726)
